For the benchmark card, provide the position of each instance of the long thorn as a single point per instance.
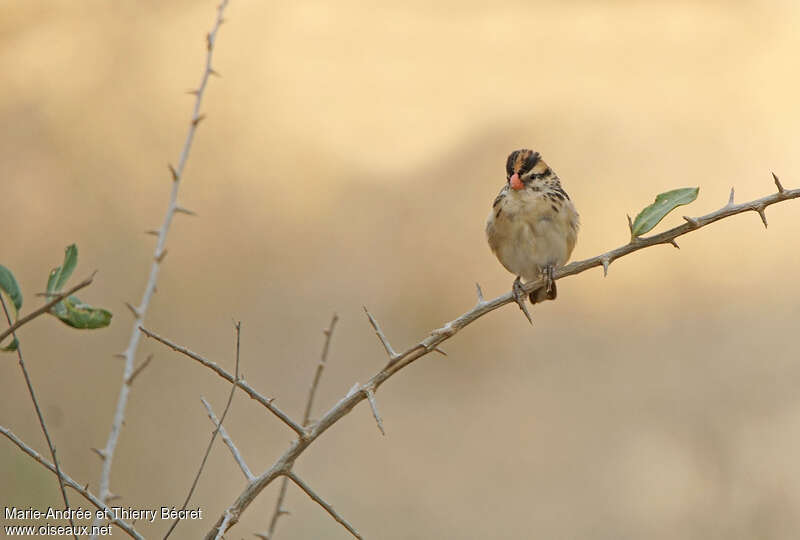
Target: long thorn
(778, 183)
(139, 369)
(374, 406)
(524, 308)
(381, 336)
(133, 310)
(182, 210)
(763, 215)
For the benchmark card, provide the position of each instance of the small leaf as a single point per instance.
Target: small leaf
(665, 203)
(9, 285)
(12, 296)
(59, 275)
(73, 312)
(11, 347)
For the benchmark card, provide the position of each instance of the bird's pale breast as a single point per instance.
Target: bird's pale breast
(530, 229)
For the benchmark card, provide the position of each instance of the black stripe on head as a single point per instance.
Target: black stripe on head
(512, 157)
(530, 162)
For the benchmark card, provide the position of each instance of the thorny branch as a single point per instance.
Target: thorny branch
(158, 257)
(40, 417)
(83, 490)
(249, 390)
(279, 510)
(397, 362)
(213, 436)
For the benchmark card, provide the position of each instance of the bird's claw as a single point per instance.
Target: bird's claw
(519, 297)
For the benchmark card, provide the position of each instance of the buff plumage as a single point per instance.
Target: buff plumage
(533, 225)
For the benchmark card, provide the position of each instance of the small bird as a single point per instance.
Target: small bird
(533, 225)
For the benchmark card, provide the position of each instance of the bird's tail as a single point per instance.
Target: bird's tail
(541, 294)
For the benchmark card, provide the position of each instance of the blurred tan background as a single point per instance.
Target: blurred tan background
(349, 157)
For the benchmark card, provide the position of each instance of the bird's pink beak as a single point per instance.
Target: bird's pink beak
(516, 183)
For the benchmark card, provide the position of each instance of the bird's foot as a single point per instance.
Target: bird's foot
(519, 296)
(549, 282)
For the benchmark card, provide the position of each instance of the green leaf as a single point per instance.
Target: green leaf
(59, 275)
(12, 296)
(9, 285)
(73, 312)
(11, 347)
(665, 203)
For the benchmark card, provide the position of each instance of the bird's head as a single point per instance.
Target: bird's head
(523, 167)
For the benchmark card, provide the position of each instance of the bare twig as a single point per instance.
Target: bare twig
(228, 441)
(159, 251)
(40, 417)
(278, 512)
(436, 337)
(250, 391)
(83, 490)
(213, 436)
(320, 366)
(320, 501)
(45, 308)
(279, 509)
